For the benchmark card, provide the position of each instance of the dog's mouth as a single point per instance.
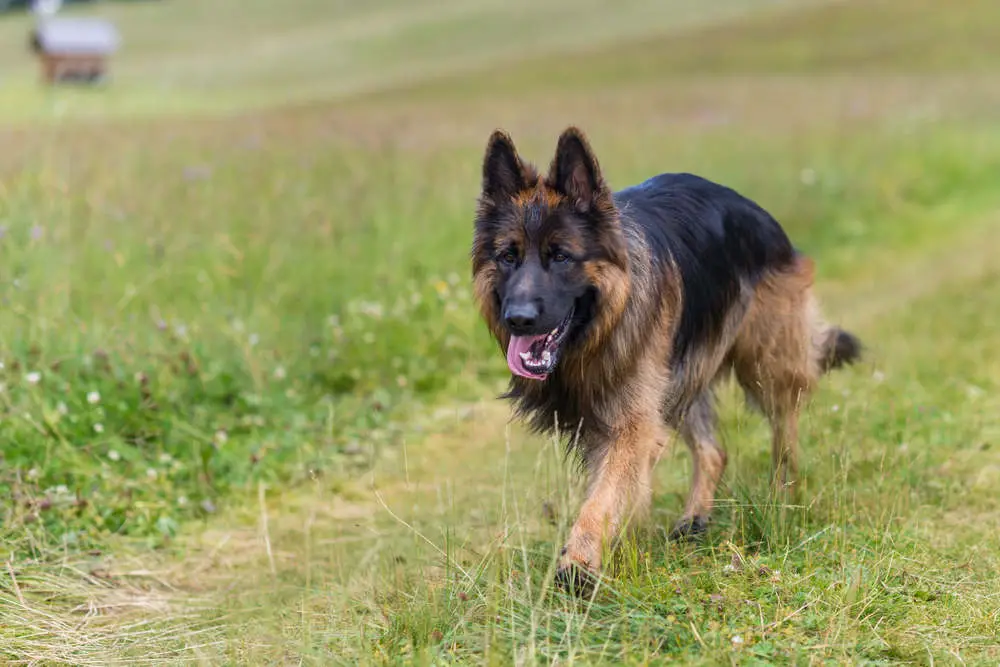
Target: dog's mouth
(534, 357)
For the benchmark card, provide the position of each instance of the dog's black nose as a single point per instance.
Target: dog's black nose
(521, 316)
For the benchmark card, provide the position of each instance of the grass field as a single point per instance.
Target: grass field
(247, 409)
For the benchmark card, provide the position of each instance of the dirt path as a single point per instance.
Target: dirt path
(469, 469)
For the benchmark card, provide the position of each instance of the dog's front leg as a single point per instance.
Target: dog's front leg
(619, 491)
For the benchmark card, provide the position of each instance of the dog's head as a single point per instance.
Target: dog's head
(549, 259)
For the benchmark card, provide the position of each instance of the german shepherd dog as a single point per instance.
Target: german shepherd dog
(619, 312)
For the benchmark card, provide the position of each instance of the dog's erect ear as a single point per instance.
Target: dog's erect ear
(575, 172)
(503, 172)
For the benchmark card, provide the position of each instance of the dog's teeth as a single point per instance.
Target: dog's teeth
(546, 356)
(526, 356)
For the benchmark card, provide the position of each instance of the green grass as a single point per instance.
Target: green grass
(247, 406)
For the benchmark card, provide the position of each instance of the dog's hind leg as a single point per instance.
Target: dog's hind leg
(698, 428)
(778, 357)
(784, 418)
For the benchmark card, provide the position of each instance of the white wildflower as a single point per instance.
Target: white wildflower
(372, 309)
(114, 455)
(33, 377)
(98, 428)
(93, 398)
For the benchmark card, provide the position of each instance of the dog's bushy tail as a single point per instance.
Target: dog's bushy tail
(840, 348)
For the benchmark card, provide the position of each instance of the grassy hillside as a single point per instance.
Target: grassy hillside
(183, 56)
(247, 408)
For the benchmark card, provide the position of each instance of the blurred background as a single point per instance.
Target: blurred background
(234, 234)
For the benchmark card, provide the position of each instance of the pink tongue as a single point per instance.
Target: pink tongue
(519, 344)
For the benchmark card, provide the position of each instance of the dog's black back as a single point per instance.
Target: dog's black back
(718, 239)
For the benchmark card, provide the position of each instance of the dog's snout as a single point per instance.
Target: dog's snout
(521, 317)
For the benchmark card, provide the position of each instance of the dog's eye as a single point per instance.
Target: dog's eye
(560, 257)
(508, 256)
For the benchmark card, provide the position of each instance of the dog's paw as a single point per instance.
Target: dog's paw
(576, 579)
(689, 528)
(578, 569)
